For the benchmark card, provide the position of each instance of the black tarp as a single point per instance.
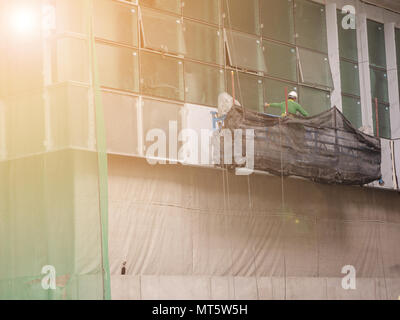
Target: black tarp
(324, 148)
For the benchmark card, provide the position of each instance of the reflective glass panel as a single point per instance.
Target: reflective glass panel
(70, 60)
(71, 16)
(379, 85)
(315, 68)
(69, 116)
(248, 90)
(196, 36)
(277, 20)
(167, 5)
(120, 114)
(347, 40)
(242, 15)
(206, 10)
(118, 67)
(24, 122)
(157, 115)
(203, 83)
(352, 110)
(376, 44)
(281, 60)
(310, 24)
(383, 119)
(161, 76)
(162, 32)
(397, 45)
(350, 78)
(116, 21)
(274, 91)
(314, 101)
(245, 51)
(21, 59)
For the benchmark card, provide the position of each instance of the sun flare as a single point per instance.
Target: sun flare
(23, 20)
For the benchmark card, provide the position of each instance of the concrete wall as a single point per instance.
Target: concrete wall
(198, 233)
(248, 288)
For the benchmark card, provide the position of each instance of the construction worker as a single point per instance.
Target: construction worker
(293, 106)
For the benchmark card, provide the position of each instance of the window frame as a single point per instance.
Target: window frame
(373, 67)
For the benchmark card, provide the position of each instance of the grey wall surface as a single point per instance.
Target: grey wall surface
(197, 233)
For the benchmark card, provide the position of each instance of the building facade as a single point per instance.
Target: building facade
(269, 45)
(115, 70)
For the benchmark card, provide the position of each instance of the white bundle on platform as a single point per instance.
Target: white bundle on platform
(225, 103)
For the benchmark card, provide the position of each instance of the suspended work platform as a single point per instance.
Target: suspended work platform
(324, 148)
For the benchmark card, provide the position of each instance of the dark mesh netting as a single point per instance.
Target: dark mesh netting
(325, 148)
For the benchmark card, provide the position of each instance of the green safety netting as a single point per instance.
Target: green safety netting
(53, 164)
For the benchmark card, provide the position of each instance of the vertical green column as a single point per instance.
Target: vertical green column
(53, 183)
(102, 159)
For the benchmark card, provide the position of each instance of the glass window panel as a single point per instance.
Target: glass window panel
(118, 67)
(379, 85)
(167, 5)
(383, 119)
(347, 40)
(310, 24)
(242, 15)
(352, 110)
(70, 60)
(196, 35)
(274, 91)
(398, 55)
(398, 46)
(206, 10)
(203, 83)
(248, 90)
(21, 67)
(245, 51)
(24, 124)
(71, 16)
(350, 78)
(277, 20)
(161, 76)
(116, 21)
(376, 44)
(314, 101)
(69, 116)
(162, 32)
(120, 114)
(281, 60)
(157, 115)
(315, 68)
(21, 53)
(398, 77)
